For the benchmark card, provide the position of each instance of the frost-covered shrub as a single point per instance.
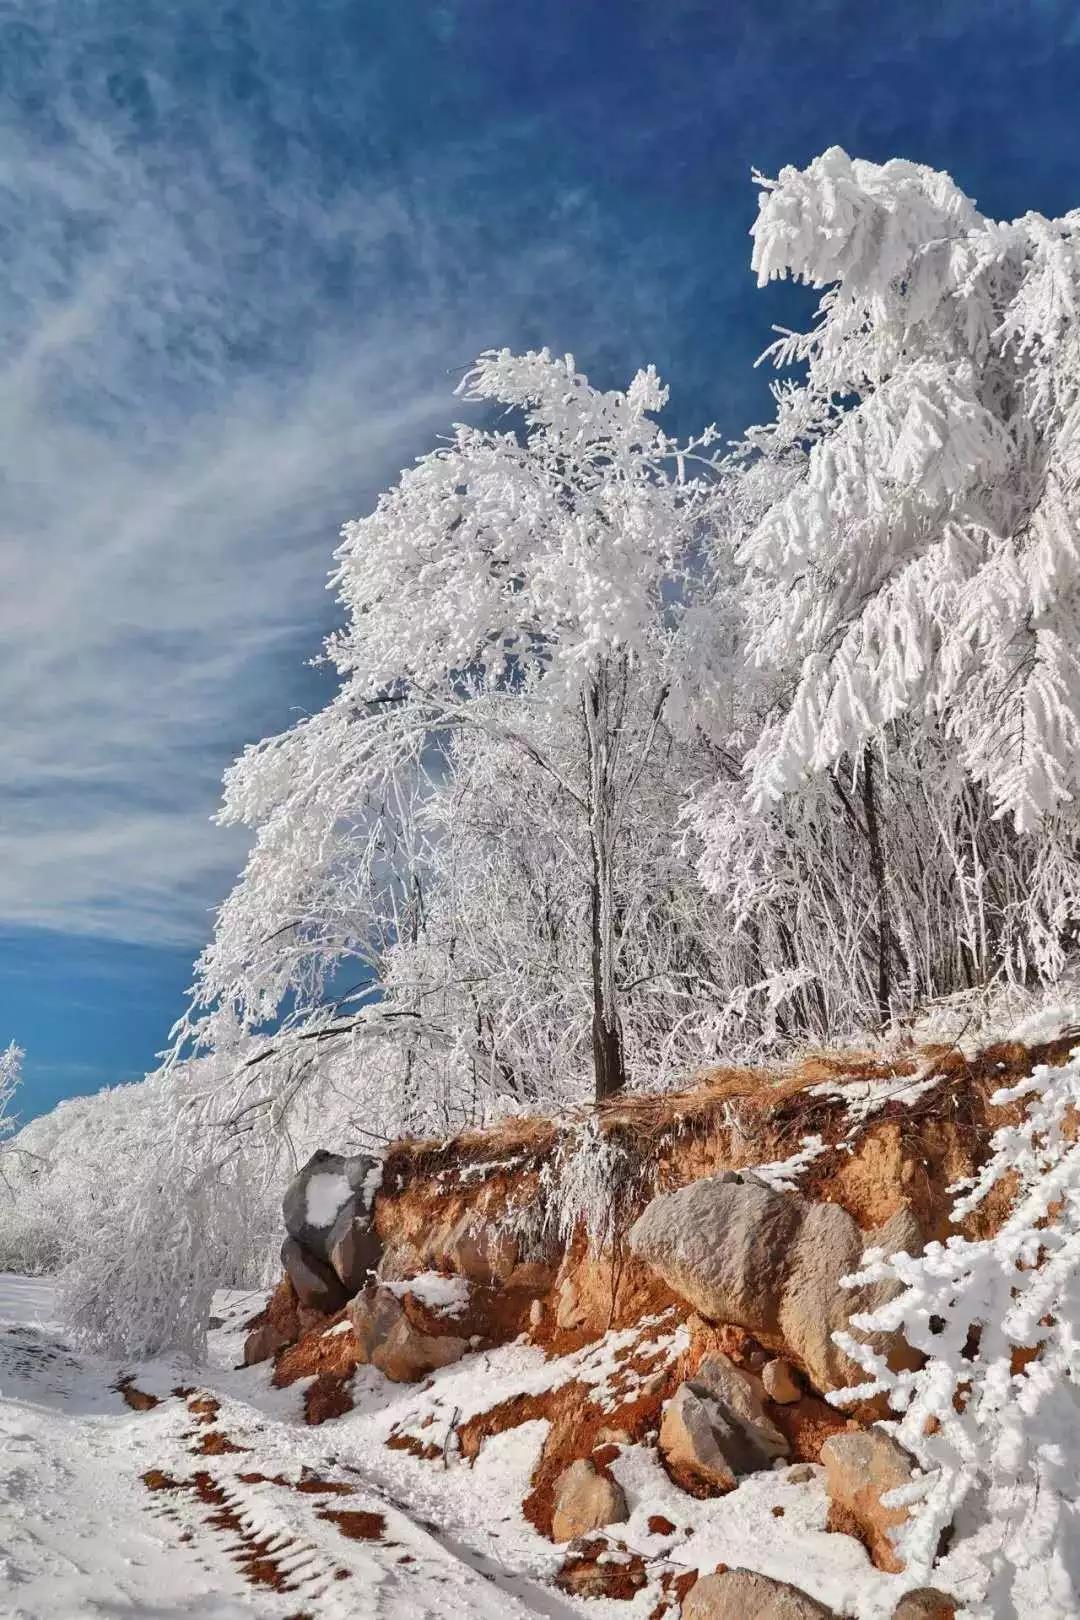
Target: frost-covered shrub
(593, 1181)
(993, 1416)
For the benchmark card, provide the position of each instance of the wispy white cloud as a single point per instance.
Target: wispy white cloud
(171, 475)
(218, 339)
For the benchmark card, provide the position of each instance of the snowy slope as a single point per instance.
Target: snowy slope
(84, 1535)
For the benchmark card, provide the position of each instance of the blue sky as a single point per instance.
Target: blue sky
(249, 247)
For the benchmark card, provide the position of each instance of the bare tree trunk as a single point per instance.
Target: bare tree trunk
(608, 1063)
(880, 881)
(609, 1066)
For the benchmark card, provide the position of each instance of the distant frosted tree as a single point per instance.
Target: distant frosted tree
(11, 1059)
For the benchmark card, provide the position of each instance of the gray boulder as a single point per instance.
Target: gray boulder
(353, 1245)
(319, 1192)
(318, 1288)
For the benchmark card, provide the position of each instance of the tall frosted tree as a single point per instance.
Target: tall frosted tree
(536, 585)
(922, 567)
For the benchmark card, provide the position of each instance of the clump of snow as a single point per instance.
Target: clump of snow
(327, 1193)
(372, 1183)
(782, 1174)
(865, 1097)
(447, 1296)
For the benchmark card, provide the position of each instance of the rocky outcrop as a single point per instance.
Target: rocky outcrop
(770, 1262)
(584, 1501)
(714, 1429)
(388, 1340)
(739, 1594)
(859, 1469)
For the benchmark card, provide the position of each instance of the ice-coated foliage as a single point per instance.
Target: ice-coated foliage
(536, 667)
(927, 559)
(993, 1416)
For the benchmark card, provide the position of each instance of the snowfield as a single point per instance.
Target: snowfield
(326, 1521)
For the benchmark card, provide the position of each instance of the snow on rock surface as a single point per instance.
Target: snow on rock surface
(326, 1193)
(447, 1296)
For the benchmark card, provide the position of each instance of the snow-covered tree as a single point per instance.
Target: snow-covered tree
(537, 592)
(992, 1414)
(921, 567)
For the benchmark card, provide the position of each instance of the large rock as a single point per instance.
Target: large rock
(319, 1192)
(318, 1288)
(691, 1446)
(925, 1604)
(353, 1245)
(585, 1501)
(860, 1467)
(714, 1429)
(262, 1343)
(739, 1594)
(389, 1341)
(770, 1262)
(739, 1397)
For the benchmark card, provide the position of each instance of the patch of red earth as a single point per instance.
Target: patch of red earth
(252, 1553)
(311, 1485)
(204, 1408)
(599, 1568)
(424, 1449)
(318, 1354)
(356, 1523)
(659, 1526)
(806, 1424)
(328, 1397)
(140, 1400)
(215, 1443)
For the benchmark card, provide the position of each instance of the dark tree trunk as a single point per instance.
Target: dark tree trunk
(880, 881)
(608, 1064)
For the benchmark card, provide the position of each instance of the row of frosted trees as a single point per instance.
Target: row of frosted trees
(649, 753)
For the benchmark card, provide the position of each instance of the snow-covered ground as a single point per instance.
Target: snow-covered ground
(83, 1532)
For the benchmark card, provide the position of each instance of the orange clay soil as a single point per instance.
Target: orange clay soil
(318, 1353)
(355, 1523)
(328, 1397)
(598, 1568)
(907, 1152)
